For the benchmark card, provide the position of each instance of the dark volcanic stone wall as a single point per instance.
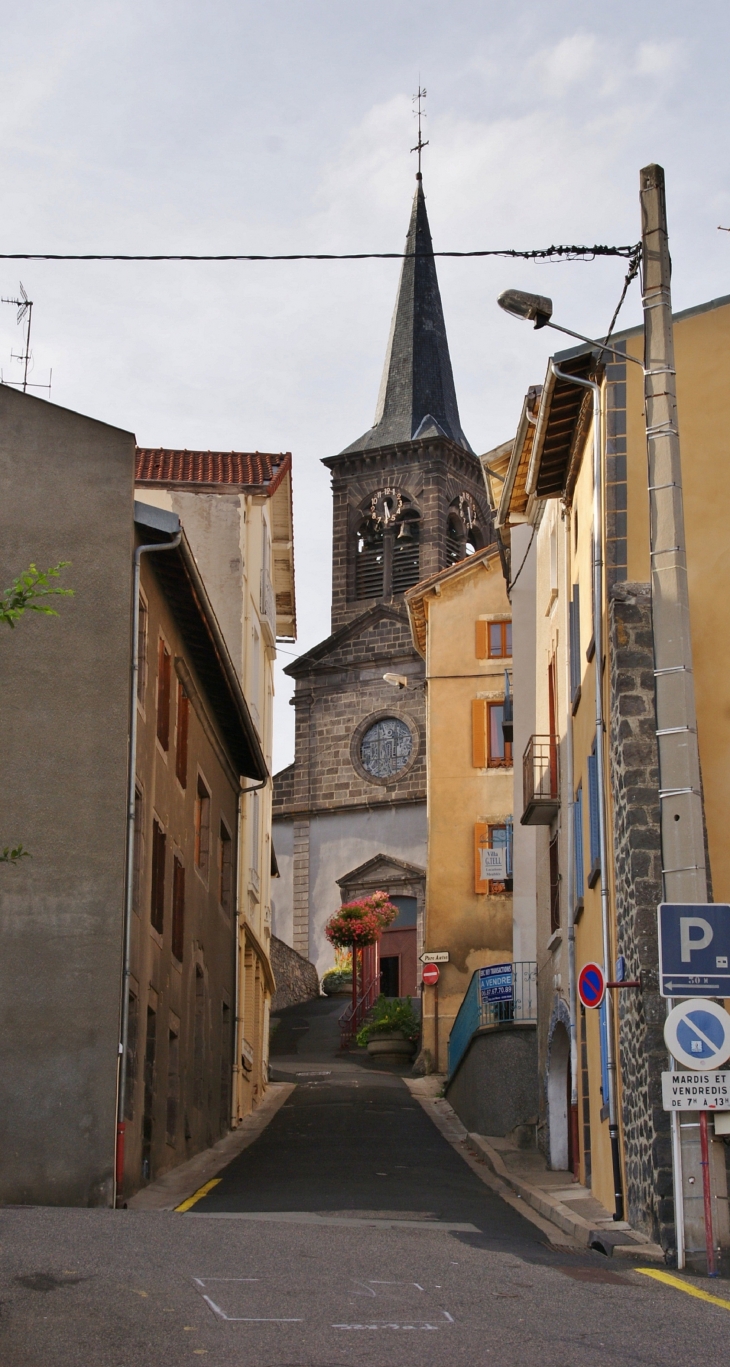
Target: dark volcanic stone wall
(637, 854)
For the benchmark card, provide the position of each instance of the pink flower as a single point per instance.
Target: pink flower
(361, 922)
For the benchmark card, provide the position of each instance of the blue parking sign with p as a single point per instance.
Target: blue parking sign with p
(694, 949)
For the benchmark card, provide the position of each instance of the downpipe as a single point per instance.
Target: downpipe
(158, 546)
(597, 558)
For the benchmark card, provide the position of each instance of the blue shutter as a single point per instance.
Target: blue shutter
(593, 810)
(510, 836)
(578, 844)
(574, 642)
(603, 1026)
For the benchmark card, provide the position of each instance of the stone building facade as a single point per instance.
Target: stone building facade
(408, 500)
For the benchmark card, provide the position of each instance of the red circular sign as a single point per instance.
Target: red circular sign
(591, 985)
(430, 974)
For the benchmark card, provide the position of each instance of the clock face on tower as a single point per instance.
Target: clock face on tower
(386, 747)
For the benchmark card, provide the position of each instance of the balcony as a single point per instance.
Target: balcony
(540, 781)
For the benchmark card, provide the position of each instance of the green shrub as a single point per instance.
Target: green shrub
(388, 1015)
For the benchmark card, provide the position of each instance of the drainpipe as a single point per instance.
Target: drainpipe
(570, 784)
(597, 556)
(129, 880)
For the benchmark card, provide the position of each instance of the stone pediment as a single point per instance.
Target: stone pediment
(383, 870)
(382, 631)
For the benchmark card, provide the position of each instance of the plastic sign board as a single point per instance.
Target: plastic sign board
(694, 949)
(493, 863)
(591, 985)
(495, 983)
(698, 1033)
(438, 956)
(430, 974)
(696, 1091)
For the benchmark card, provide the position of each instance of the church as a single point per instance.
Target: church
(349, 814)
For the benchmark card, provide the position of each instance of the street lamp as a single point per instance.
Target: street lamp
(540, 308)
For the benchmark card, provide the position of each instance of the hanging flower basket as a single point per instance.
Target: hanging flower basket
(360, 923)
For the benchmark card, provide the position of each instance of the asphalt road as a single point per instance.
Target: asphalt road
(350, 1232)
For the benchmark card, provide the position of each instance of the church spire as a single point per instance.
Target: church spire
(417, 395)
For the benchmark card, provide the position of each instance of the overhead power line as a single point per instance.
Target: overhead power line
(555, 253)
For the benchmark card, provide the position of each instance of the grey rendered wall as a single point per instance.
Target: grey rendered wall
(66, 493)
(494, 1089)
(340, 842)
(282, 888)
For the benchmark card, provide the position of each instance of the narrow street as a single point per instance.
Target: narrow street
(350, 1232)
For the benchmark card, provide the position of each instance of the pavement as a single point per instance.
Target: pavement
(357, 1227)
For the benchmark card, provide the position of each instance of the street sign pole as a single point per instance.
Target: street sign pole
(682, 836)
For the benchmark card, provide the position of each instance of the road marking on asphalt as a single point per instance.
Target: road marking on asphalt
(305, 1217)
(683, 1286)
(202, 1191)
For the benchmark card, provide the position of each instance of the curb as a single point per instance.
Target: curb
(617, 1242)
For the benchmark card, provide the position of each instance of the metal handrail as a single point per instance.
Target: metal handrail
(540, 779)
(477, 1012)
(353, 1017)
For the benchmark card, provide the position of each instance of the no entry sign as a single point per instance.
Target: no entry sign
(591, 985)
(430, 974)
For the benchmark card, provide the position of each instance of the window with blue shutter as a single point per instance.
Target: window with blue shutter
(578, 845)
(574, 642)
(595, 843)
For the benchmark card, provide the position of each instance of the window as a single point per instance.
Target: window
(138, 848)
(578, 846)
(198, 1038)
(173, 1086)
(163, 695)
(142, 650)
(157, 905)
(500, 750)
(575, 660)
(178, 908)
(386, 747)
(181, 747)
(554, 886)
(202, 828)
(225, 865)
(493, 640)
(593, 822)
(132, 1033)
(486, 839)
(149, 1093)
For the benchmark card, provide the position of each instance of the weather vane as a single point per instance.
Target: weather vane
(419, 113)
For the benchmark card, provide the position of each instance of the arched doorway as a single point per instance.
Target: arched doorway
(558, 1097)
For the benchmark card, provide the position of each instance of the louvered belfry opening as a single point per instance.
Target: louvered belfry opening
(369, 580)
(406, 555)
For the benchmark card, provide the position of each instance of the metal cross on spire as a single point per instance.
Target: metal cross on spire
(419, 113)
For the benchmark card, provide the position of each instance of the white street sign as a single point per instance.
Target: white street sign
(494, 863)
(697, 1033)
(439, 956)
(696, 1091)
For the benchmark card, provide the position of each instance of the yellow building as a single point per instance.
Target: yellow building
(236, 510)
(546, 509)
(460, 620)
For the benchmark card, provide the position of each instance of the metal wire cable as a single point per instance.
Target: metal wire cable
(570, 253)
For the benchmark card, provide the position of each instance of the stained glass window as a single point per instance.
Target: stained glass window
(386, 747)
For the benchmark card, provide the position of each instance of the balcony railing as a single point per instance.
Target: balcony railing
(540, 781)
(516, 1001)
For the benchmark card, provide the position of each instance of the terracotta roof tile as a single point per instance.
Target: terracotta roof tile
(248, 469)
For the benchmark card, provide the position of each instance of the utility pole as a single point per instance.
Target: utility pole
(680, 796)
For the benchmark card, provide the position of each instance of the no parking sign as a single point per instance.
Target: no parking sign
(592, 985)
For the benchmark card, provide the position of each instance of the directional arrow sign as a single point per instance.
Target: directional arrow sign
(694, 949)
(437, 956)
(698, 1034)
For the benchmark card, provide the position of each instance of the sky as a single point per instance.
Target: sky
(287, 127)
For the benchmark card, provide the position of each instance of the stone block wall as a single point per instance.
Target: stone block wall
(296, 978)
(637, 861)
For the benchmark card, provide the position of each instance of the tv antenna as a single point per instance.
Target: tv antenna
(24, 306)
(419, 113)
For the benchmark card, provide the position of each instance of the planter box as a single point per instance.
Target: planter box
(393, 1045)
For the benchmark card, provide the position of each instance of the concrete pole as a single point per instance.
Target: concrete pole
(683, 845)
(684, 874)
